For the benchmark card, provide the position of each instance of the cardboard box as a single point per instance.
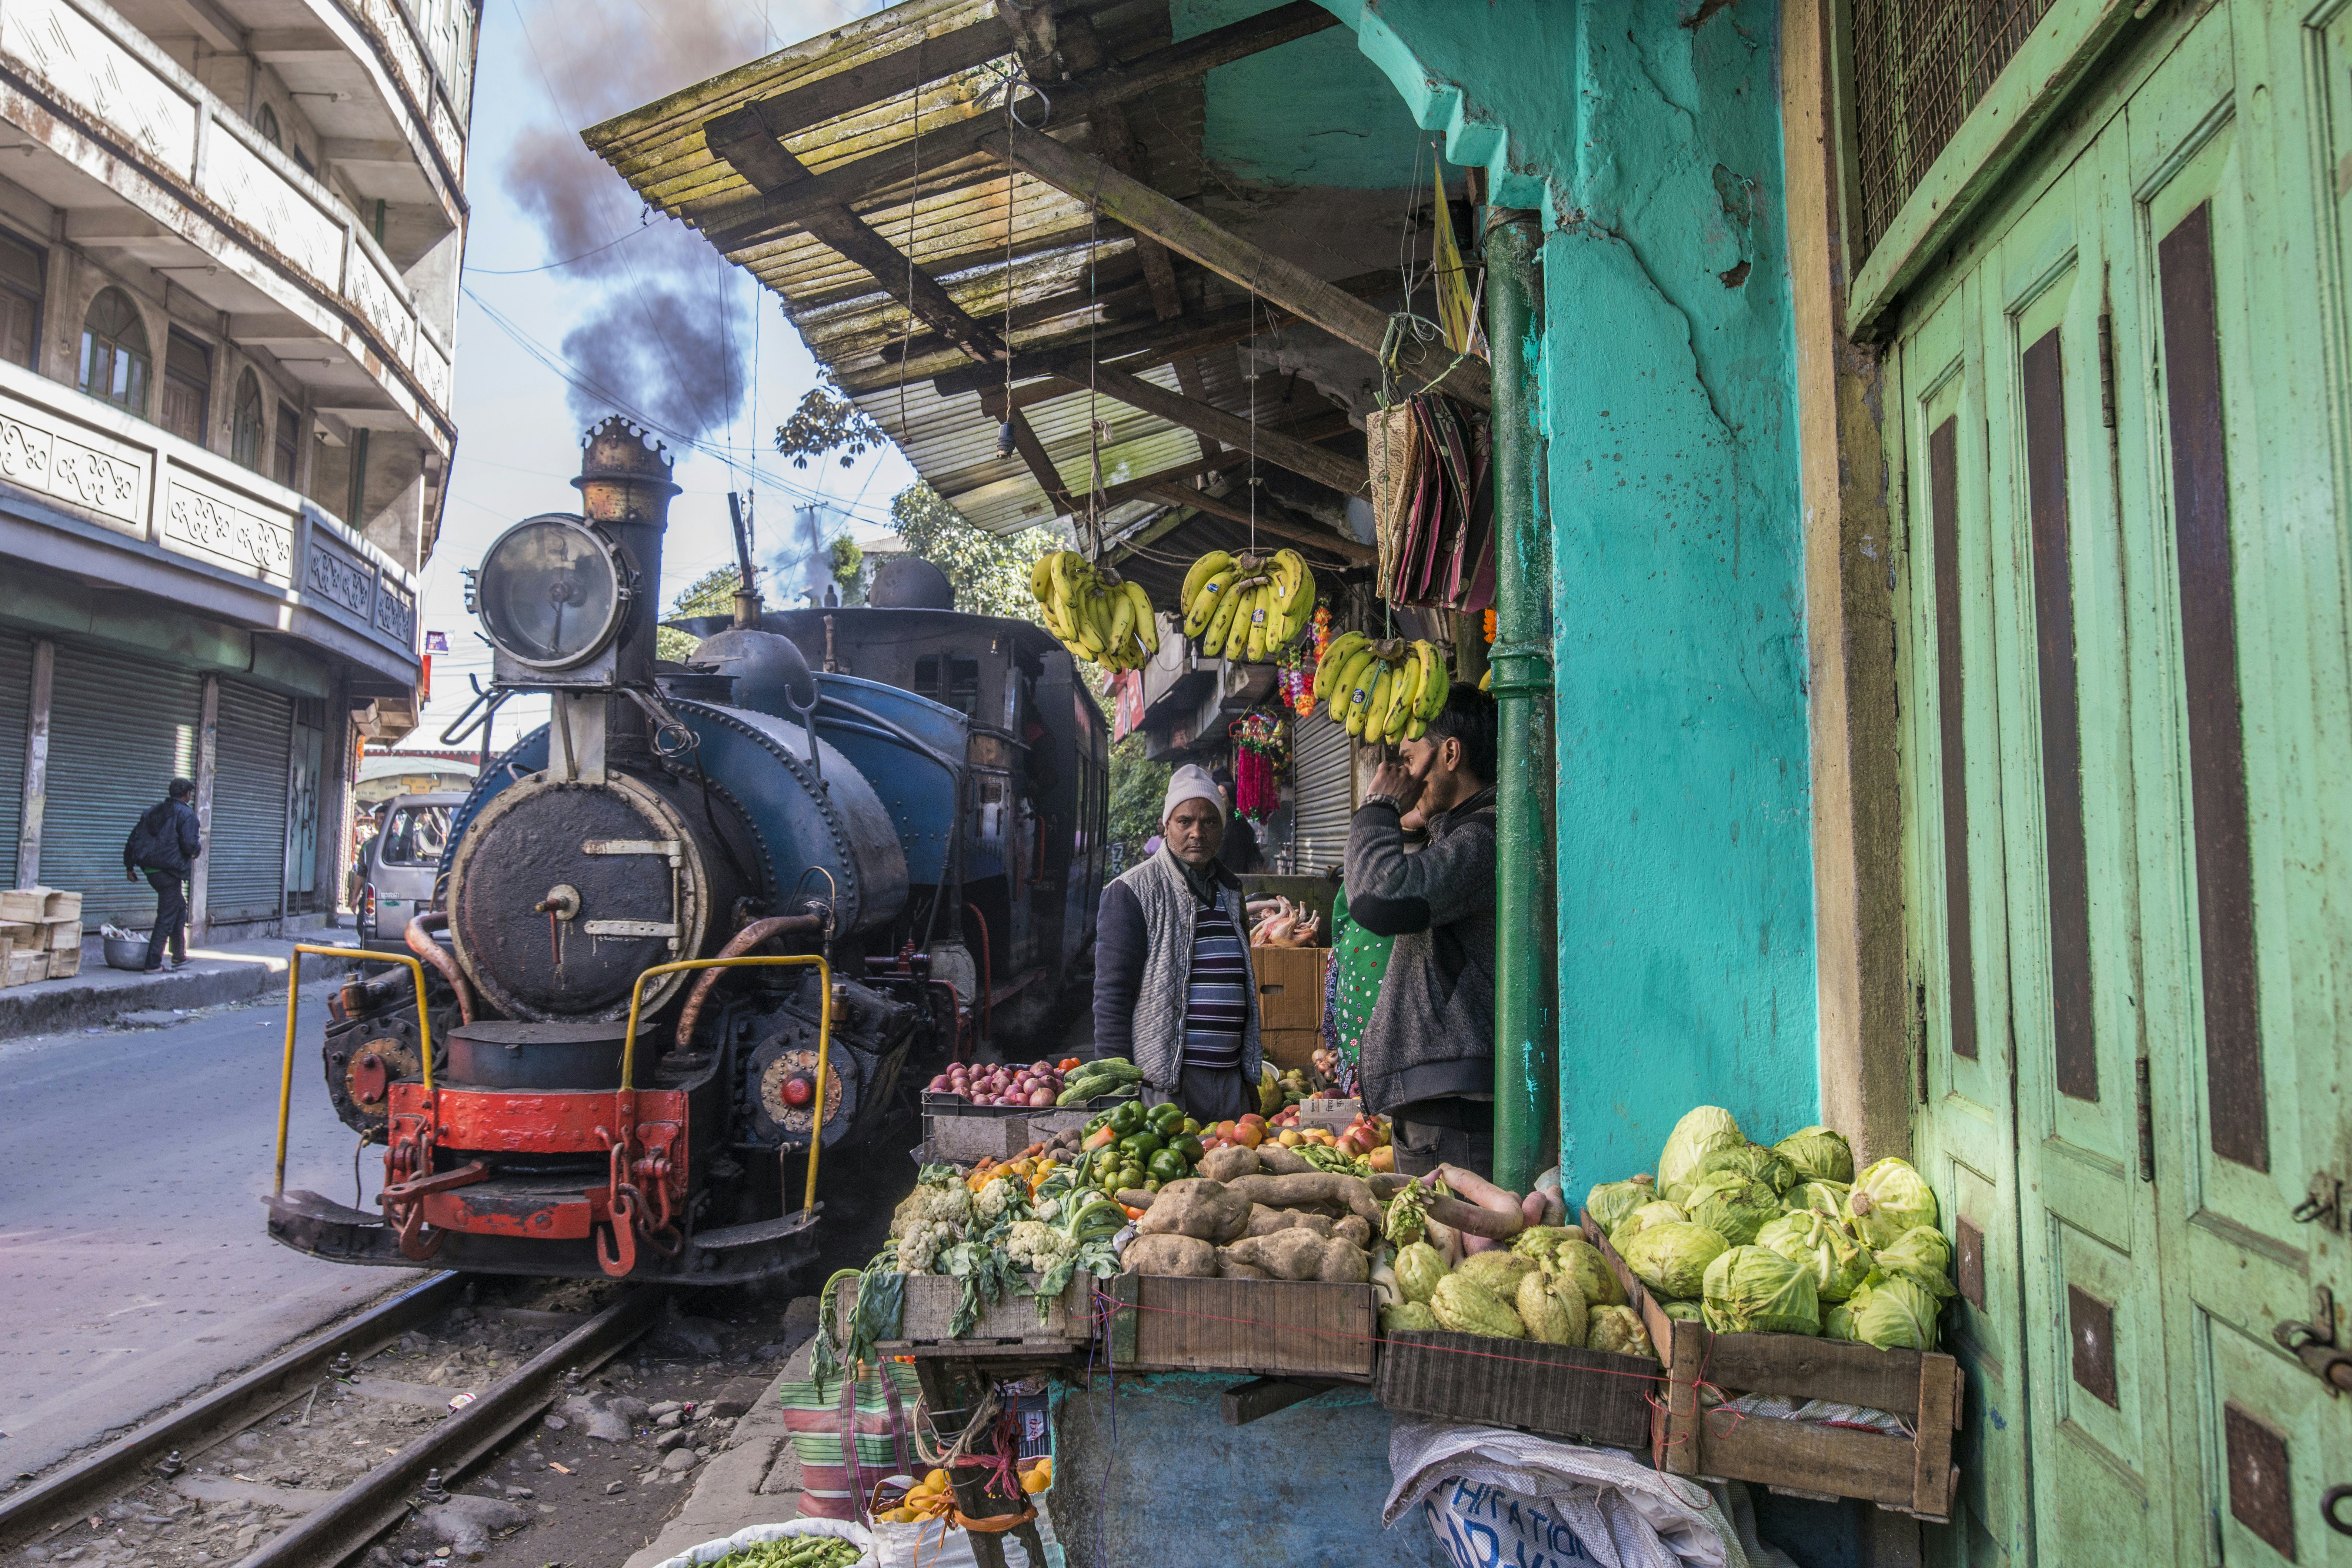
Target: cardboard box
(1287, 1049)
(37, 904)
(1290, 987)
(64, 962)
(56, 934)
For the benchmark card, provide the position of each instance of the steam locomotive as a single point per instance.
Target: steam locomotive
(914, 796)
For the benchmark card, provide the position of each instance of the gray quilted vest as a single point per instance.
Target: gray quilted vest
(1160, 888)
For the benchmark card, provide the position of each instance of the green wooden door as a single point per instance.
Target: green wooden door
(2128, 777)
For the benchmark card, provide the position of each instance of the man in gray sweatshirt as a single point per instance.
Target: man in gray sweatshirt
(1429, 1050)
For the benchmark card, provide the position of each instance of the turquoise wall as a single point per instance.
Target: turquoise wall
(1313, 112)
(1653, 149)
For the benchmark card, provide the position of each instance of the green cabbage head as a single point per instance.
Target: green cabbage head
(1466, 1308)
(1702, 1130)
(1824, 1198)
(1922, 1256)
(1671, 1258)
(1633, 1224)
(1611, 1201)
(1893, 1311)
(1682, 1312)
(1753, 1161)
(1419, 1267)
(1755, 1290)
(1538, 1242)
(1837, 1261)
(1819, 1154)
(1837, 1323)
(1734, 1207)
(1618, 1329)
(1579, 1266)
(1888, 1199)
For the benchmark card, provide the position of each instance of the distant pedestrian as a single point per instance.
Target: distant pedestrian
(165, 846)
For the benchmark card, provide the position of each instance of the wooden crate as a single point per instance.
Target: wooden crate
(1553, 1391)
(1269, 1328)
(1013, 1324)
(1915, 1475)
(55, 934)
(37, 904)
(64, 963)
(25, 965)
(1289, 987)
(1287, 1049)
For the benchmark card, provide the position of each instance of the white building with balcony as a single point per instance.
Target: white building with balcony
(230, 236)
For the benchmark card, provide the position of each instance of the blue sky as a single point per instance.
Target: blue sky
(557, 65)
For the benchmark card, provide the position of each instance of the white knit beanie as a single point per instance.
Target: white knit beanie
(1192, 782)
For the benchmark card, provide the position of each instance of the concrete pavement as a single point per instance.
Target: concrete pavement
(131, 1221)
(214, 973)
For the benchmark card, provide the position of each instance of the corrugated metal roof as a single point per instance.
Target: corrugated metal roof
(1068, 281)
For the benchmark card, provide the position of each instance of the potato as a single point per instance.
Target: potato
(1348, 1192)
(1183, 1256)
(1277, 1160)
(1206, 1210)
(1296, 1253)
(1355, 1229)
(1343, 1263)
(1231, 1269)
(1264, 1221)
(1228, 1163)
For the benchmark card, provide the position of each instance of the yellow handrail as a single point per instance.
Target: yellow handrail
(293, 998)
(824, 1032)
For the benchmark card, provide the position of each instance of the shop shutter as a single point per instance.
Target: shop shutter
(1322, 793)
(247, 847)
(16, 707)
(120, 729)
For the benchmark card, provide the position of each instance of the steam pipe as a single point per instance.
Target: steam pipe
(419, 936)
(742, 942)
(987, 975)
(1526, 1077)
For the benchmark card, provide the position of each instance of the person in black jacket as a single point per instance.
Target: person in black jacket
(165, 846)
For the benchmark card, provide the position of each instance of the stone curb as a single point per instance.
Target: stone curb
(92, 1000)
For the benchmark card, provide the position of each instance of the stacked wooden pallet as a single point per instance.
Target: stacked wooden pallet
(40, 935)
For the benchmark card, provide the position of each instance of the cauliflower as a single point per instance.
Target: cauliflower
(1036, 1245)
(989, 1203)
(931, 1204)
(920, 1244)
(1050, 1209)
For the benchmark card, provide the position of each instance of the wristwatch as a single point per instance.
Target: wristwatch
(1391, 802)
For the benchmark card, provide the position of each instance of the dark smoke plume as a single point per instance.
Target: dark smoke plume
(671, 335)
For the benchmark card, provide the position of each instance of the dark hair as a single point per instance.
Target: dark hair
(182, 788)
(1469, 717)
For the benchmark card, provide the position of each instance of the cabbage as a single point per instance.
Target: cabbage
(1824, 1198)
(1701, 1131)
(1922, 1256)
(1893, 1311)
(1498, 1272)
(1888, 1199)
(1837, 1261)
(1419, 1267)
(1578, 1265)
(1407, 1318)
(1755, 1290)
(1466, 1308)
(1647, 1215)
(1538, 1242)
(1618, 1329)
(1682, 1312)
(1818, 1153)
(1671, 1258)
(1753, 1161)
(1554, 1314)
(1837, 1323)
(1611, 1201)
(1734, 1207)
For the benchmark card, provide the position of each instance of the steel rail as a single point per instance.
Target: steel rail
(343, 1527)
(231, 1405)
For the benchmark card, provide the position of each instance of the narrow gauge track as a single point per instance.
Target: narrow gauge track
(342, 1525)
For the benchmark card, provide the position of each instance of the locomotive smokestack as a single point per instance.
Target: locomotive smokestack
(624, 486)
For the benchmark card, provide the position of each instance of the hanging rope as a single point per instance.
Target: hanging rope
(914, 198)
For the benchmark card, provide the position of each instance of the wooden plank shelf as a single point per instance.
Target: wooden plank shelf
(1012, 1327)
(1268, 1328)
(1913, 1474)
(1552, 1391)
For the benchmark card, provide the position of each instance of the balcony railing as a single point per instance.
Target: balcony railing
(103, 92)
(431, 98)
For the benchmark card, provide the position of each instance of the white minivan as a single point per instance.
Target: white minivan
(401, 862)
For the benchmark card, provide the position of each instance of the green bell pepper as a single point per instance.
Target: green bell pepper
(1141, 1146)
(1126, 1118)
(1165, 1118)
(1188, 1146)
(1167, 1166)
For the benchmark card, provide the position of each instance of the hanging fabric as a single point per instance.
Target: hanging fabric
(1432, 504)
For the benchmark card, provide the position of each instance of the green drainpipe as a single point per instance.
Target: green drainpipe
(1526, 1031)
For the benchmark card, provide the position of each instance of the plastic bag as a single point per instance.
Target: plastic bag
(752, 1535)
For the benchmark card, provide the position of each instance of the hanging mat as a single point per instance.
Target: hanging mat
(1432, 504)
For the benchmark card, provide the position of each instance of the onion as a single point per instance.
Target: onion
(1040, 1097)
(942, 1085)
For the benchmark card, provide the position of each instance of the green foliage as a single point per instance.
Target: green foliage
(1138, 787)
(990, 571)
(847, 564)
(825, 423)
(712, 594)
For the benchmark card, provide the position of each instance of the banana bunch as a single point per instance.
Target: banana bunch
(1247, 606)
(1098, 615)
(1382, 691)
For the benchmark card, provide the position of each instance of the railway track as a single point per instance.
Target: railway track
(200, 1450)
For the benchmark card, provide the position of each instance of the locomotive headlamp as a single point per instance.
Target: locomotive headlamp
(551, 592)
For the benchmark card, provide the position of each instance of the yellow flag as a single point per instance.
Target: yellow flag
(1456, 309)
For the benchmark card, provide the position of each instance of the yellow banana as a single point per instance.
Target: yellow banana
(1302, 615)
(1417, 728)
(1351, 677)
(1400, 701)
(1085, 617)
(1200, 611)
(1220, 621)
(1198, 576)
(1147, 619)
(1326, 670)
(1262, 613)
(1364, 721)
(1121, 609)
(1360, 678)
(1290, 577)
(1041, 577)
(1237, 631)
(1441, 682)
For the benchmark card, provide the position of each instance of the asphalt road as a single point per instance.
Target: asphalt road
(130, 1223)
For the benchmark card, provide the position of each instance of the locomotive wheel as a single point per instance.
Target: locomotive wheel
(368, 1074)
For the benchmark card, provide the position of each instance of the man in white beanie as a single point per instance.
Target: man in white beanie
(1174, 991)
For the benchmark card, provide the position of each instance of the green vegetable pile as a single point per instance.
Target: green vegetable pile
(794, 1552)
(1149, 1147)
(1781, 1239)
(990, 1241)
(1106, 1076)
(1551, 1285)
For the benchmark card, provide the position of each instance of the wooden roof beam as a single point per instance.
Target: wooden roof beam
(1278, 521)
(739, 224)
(1341, 473)
(1039, 461)
(1147, 212)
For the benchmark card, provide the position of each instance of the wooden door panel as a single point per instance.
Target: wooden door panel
(2270, 1438)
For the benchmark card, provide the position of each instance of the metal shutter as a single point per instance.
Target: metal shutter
(1322, 792)
(246, 846)
(120, 729)
(16, 706)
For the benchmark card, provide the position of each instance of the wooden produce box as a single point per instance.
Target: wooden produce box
(37, 904)
(1011, 1325)
(64, 962)
(1287, 1049)
(56, 934)
(1266, 1328)
(1289, 988)
(1914, 1475)
(23, 965)
(1552, 1391)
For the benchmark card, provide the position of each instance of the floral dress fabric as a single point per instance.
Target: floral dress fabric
(1352, 984)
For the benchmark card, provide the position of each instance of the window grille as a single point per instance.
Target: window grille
(1919, 66)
